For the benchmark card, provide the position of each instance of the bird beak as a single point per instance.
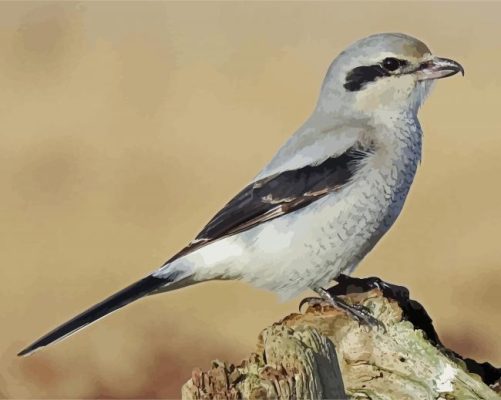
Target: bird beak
(438, 68)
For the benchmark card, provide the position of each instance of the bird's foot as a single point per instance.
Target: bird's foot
(360, 313)
(314, 301)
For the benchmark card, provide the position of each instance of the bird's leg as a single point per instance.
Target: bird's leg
(358, 312)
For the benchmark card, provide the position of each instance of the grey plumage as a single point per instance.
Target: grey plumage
(327, 197)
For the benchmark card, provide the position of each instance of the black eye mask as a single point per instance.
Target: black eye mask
(358, 77)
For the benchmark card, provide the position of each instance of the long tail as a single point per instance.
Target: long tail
(141, 288)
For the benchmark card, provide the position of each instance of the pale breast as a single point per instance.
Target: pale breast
(368, 207)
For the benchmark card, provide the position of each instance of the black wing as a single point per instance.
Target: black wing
(277, 195)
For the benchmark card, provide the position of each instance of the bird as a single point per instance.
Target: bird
(328, 195)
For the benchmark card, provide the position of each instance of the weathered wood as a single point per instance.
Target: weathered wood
(310, 355)
(289, 363)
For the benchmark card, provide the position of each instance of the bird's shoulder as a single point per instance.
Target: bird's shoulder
(316, 141)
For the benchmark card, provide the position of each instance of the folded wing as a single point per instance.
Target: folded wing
(277, 195)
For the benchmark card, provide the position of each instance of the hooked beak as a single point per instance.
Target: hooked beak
(438, 68)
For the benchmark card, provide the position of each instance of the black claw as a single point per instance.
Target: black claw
(311, 301)
(303, 302)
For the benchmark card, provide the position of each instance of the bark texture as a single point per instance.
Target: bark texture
(324, 354)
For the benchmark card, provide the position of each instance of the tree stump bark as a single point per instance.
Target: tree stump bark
(324, 354)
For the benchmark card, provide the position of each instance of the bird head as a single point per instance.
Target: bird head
(388, 71)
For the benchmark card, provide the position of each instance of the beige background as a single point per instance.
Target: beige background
(125, 126)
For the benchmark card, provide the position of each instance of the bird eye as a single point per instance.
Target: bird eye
(391, 64)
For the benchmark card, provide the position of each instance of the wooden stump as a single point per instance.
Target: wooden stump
(325, 354)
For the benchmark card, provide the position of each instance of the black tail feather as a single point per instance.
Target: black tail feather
(112, 303)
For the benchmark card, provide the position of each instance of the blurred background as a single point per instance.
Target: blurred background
(124, 126)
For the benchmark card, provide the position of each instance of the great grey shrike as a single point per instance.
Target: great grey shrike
(327, 196)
